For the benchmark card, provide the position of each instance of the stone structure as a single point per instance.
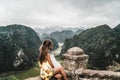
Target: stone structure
(74, 59)
(75, 66)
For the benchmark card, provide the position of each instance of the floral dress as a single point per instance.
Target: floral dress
(46, 71)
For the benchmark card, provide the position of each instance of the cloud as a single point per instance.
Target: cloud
(37, 13)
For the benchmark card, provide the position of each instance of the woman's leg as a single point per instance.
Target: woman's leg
(58, 76)
(61, 70)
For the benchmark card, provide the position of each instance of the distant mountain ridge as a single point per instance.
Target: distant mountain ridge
(58, 33)
(61, 36)
(51, 29)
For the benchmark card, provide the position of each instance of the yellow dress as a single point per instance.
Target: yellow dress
(46, 71)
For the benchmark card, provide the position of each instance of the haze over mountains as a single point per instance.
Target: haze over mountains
(58, 33)
(50, 29)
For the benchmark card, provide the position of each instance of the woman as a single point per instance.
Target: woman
(47, 69)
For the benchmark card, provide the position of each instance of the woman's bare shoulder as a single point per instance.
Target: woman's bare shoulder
(40, 47)
(48, 56)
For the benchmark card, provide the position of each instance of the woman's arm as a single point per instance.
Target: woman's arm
(39, 64)
(49, 60)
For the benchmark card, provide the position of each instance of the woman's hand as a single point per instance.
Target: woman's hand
(47, 71)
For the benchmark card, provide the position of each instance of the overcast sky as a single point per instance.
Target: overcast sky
(67, 13)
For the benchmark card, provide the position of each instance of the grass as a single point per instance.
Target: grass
(28, 73)
(31, 72)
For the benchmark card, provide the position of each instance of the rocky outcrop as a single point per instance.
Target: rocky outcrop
(100, 43)
(18, 47)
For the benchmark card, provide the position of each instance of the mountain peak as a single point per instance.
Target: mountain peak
(103, 26)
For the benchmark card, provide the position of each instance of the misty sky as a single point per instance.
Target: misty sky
(67, 13)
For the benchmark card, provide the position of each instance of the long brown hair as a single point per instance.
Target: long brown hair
(43, 49)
